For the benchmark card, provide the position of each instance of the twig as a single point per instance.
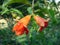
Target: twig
(33, 6)
(20, 6)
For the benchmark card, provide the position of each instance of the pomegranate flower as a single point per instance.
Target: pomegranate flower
(41, 22)
(21, 27)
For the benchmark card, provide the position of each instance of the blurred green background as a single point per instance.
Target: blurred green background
(12, 10)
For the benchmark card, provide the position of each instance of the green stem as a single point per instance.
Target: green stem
(32, 7)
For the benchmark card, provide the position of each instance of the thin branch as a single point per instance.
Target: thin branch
(20, 6)
(33, 6)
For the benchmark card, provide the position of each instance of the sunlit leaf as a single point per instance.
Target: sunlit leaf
(17, 11)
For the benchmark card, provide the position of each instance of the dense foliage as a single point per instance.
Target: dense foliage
(11, 11)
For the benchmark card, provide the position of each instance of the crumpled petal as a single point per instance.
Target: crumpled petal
(21, 27)
(41, 22)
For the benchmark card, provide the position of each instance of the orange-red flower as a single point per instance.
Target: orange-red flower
(41, 22)
(21, 27)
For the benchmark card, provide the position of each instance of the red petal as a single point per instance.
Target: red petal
(41, 22)
(41, 28)
(46, 24)
(26, 30)
(16, 27)
(20, 29)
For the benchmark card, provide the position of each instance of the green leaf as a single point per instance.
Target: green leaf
(17, 11)
(52, 16)
(29, 9)
(8, 2)
(21, 38)
(5, 10)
